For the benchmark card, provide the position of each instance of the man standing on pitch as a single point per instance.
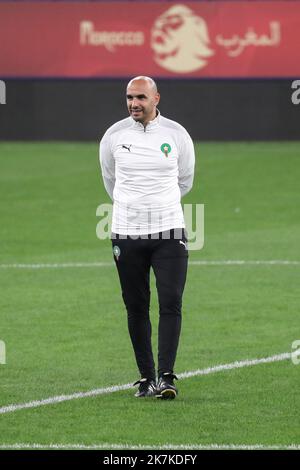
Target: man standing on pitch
(147, 164)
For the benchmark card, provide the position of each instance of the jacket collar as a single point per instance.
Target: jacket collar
(151, 125)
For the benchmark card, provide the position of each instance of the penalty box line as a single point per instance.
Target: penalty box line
(117, 388)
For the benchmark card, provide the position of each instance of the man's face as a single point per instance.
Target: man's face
(142, 100)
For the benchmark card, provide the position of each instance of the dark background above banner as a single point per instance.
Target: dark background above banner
(210, 109)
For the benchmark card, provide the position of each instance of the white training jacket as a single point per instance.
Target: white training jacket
(146, 171)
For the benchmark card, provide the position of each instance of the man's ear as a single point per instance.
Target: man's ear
(157, 98)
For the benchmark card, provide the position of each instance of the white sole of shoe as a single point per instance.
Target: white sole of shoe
(167, 394)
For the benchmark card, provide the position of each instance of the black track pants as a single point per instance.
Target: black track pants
(168, 259)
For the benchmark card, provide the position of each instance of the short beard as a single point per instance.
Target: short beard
(141, 119)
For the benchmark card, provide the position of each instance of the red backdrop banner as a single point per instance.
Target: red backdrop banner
(160, 39)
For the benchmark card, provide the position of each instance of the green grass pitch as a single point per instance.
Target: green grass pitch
(65, 328)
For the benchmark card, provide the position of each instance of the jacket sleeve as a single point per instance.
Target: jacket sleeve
(107, 164)
(186, 164)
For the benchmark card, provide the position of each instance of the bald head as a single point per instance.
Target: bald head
(146, 81)
(142, 99)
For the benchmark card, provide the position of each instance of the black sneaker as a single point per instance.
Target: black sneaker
(165, 386)
(147, 388)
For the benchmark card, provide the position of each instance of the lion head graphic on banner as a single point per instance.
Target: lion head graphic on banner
(180, 40)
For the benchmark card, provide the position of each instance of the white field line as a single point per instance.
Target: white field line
(56, 265)
(104, 391)
(102, 264)
(106, 446)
